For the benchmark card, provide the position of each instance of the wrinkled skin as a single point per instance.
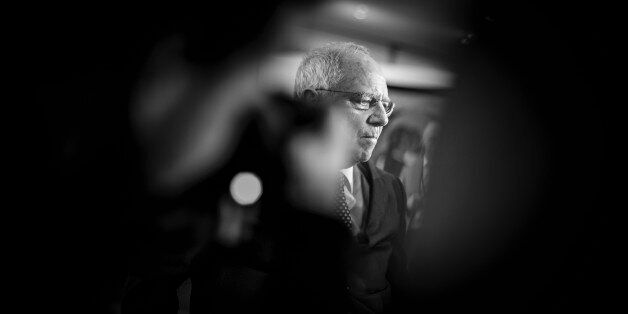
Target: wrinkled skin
(362, 74)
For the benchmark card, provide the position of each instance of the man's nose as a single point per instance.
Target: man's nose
(379, 116)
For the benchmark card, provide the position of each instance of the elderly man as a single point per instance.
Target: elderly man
(371, 202)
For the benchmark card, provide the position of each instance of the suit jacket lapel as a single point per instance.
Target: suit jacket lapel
(374, 193)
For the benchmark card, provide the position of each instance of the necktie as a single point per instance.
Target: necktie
(342, 210)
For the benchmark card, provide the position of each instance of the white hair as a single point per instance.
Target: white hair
(321, 67)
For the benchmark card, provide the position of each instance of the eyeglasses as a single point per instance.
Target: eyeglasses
(365, 101)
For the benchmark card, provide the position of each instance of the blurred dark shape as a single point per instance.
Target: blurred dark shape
(405, 154)
(283, 262)
(404, 158)
(100, 219)
(514, 224)
(402, 140)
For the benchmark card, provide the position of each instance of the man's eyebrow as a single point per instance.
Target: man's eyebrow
(375, 95)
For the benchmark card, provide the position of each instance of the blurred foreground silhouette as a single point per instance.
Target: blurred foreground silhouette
(142, 140)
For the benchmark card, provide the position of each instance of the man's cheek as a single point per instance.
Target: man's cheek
(355, 120)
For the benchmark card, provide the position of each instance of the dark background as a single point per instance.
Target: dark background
(83, 63)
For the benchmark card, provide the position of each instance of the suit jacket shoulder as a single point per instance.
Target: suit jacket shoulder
(385, 215)
(379, 264)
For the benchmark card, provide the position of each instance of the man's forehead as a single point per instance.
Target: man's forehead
(363, 74)
(360, 63)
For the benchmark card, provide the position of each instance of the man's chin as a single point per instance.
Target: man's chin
(362, 156)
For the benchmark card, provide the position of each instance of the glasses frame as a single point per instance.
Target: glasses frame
(373, 102)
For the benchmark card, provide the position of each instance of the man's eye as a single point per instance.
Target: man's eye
(363, 104)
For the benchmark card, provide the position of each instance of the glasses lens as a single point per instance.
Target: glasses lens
(388, 106)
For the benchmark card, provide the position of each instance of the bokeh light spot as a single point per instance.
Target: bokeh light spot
(246, 188)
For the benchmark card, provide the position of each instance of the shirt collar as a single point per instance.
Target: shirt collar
(349, 174)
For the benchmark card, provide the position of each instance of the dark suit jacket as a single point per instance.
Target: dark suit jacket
(306, 263)
(378, 261)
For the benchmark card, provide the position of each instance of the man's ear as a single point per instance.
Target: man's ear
(310, 96)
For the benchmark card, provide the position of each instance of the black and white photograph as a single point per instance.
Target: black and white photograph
(318, 157)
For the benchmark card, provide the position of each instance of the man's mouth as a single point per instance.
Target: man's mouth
(370, 139)
(369, 136)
